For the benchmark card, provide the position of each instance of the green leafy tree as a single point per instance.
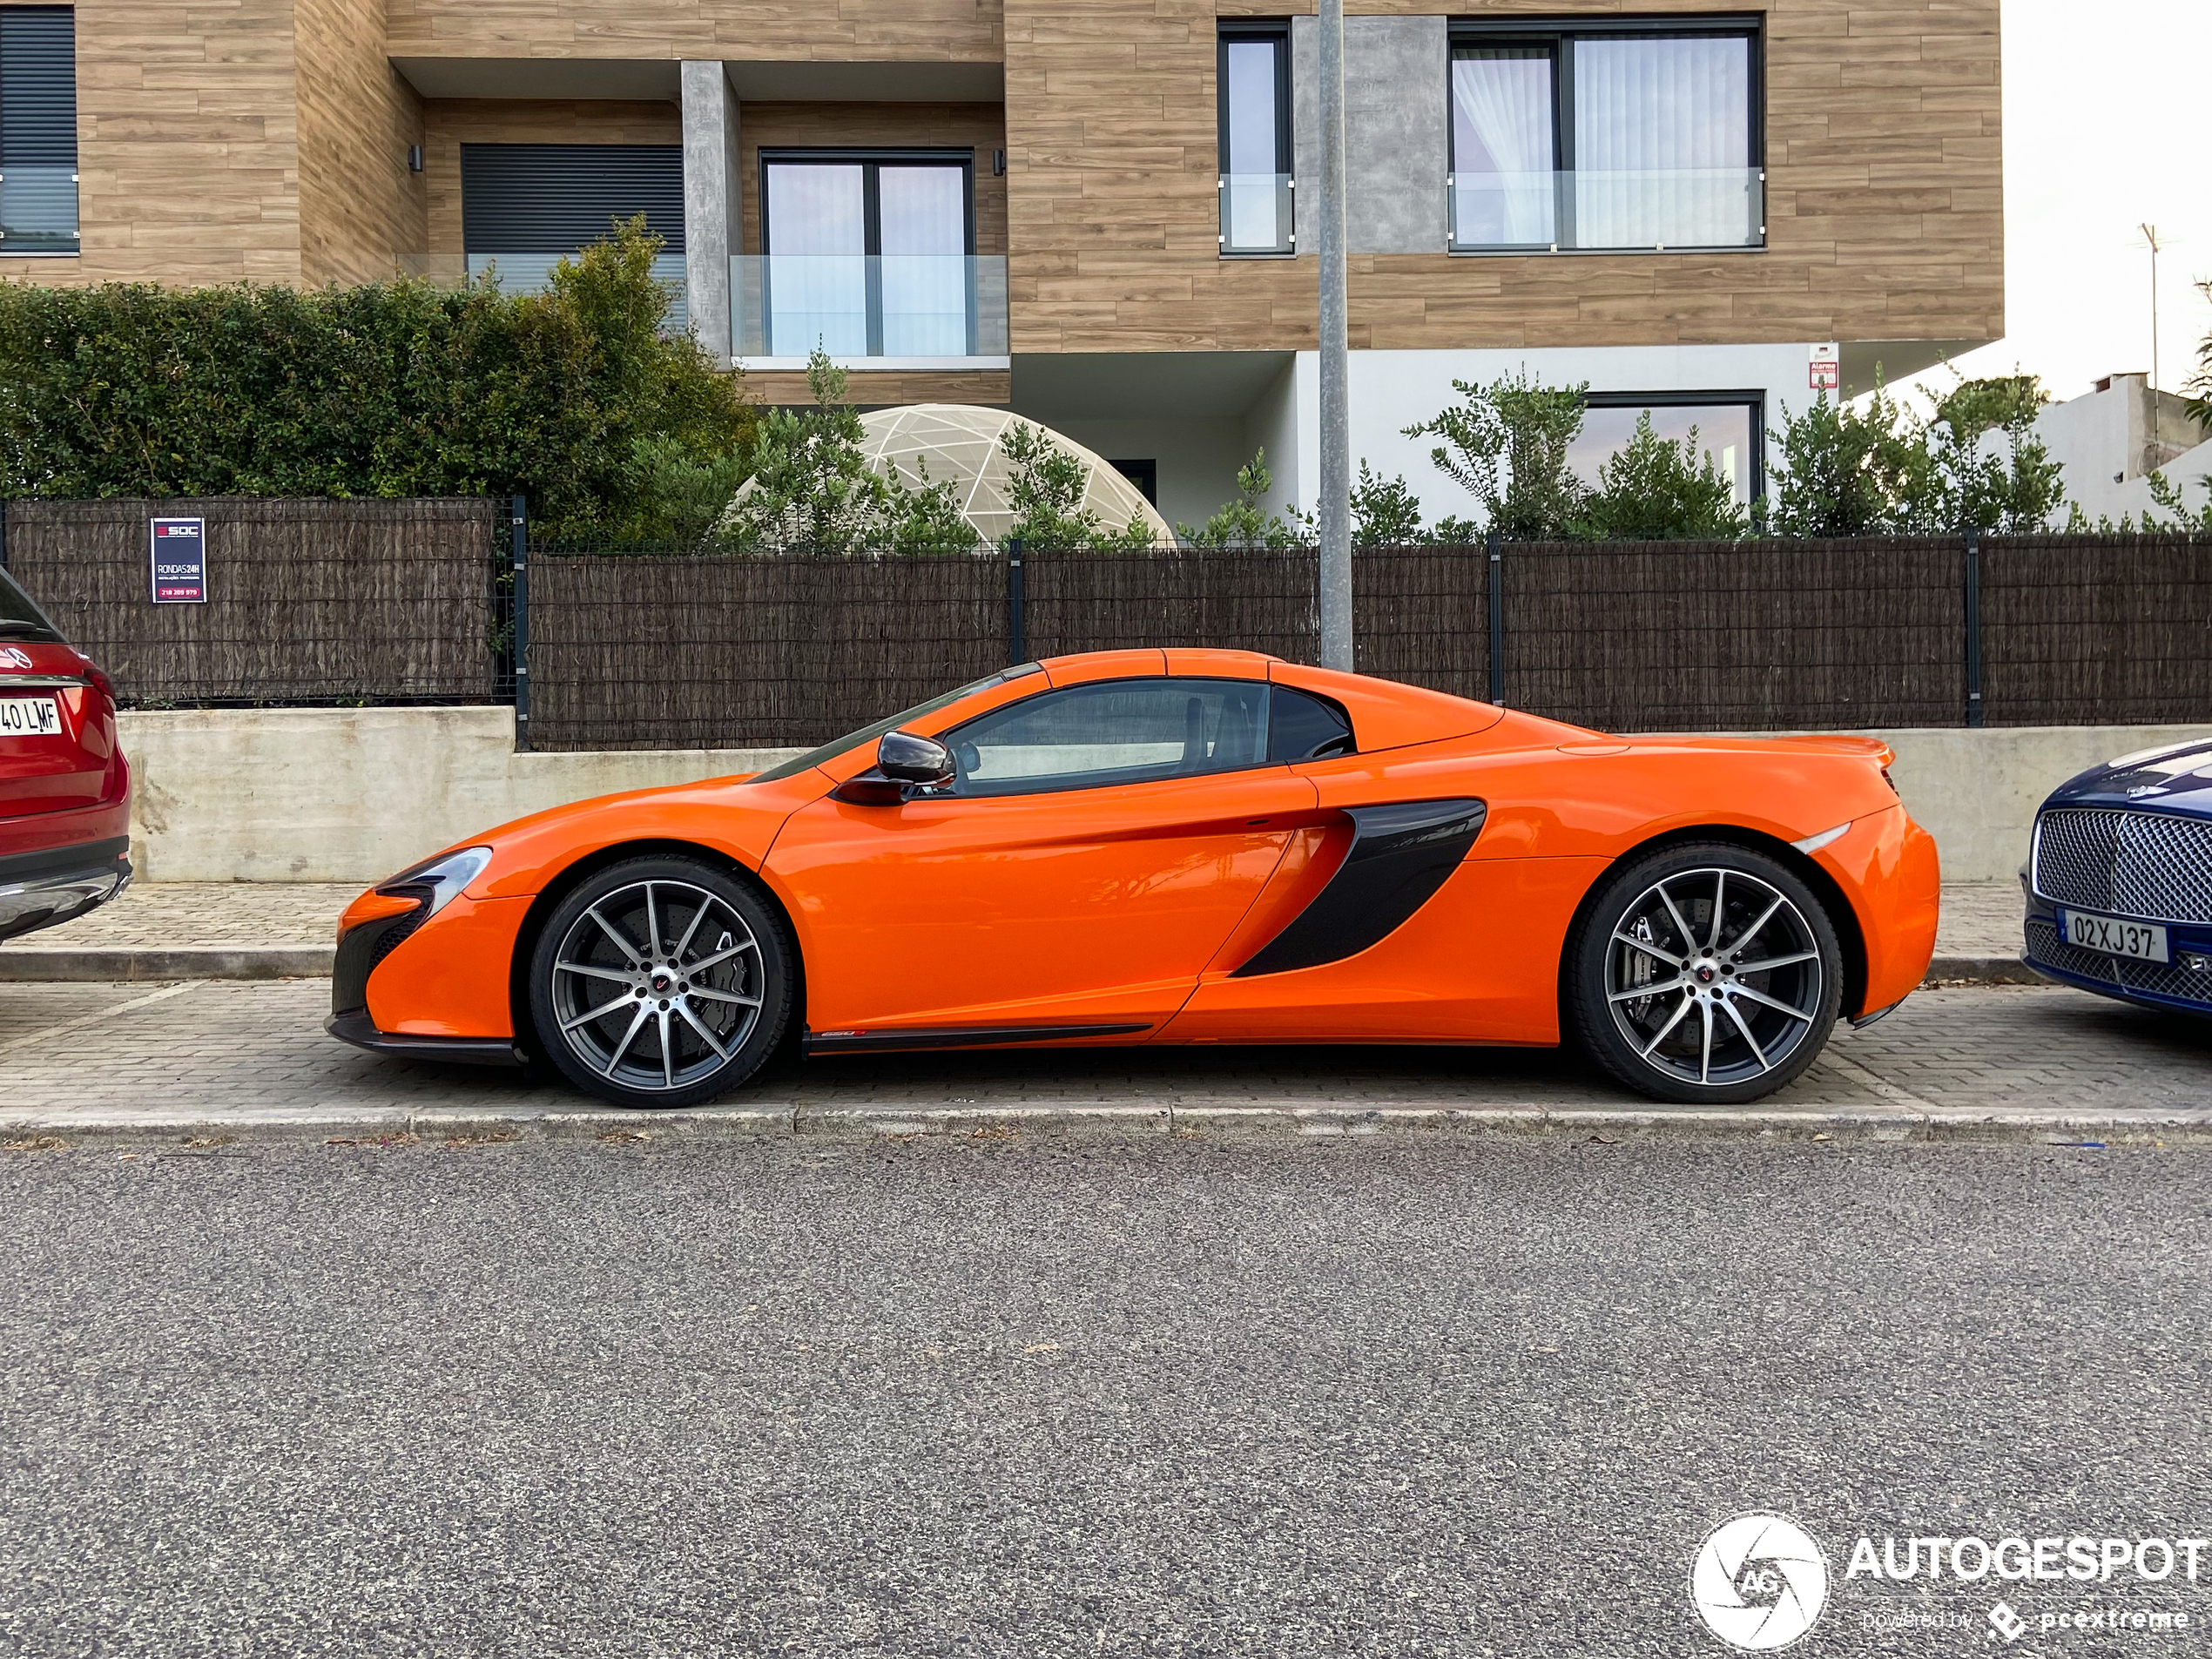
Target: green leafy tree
(2005, 482)
(1845, 471)
(1998, 401)
(813, 490)
(2200, 405)
(1045, 487)
(1653, 488)
(1506, 444)
(575, 396)
(1385, 511)
(1241, 524)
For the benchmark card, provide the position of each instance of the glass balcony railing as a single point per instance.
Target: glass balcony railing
(909, 306)
(1657, 208)
(533, 273)
(37, 210)
(1258, 212)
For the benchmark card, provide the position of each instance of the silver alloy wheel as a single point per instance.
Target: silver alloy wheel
(1713, 976)
(658, 985)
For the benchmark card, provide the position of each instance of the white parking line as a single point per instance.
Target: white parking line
(67, 1026)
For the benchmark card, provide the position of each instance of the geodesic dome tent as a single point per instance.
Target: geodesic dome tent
(960, 441)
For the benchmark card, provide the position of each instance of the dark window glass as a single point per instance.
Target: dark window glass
(37, 130)
(1115, 731)
(869, 734)
(19, 619)
(868, 255)
(1254, 69)
(1627, 136)
(1727, 427)
(1302, 727)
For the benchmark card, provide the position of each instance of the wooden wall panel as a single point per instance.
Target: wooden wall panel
(360, 209)
(757, 31)
(782, 387)
(979, 127)
(1884, 211)
(187, 145)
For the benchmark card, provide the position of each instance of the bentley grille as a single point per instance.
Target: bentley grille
(2151, 865)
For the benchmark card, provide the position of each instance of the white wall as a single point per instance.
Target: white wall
(356, 794)
(1198, 458)
(2103, 439)
(1392, 390)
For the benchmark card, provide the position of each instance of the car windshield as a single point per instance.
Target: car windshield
(19, 619)
(869, 734)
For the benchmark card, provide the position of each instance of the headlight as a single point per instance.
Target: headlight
(440, 881)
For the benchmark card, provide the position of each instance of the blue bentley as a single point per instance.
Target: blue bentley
(2120, 880)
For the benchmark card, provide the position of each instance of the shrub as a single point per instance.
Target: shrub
(1653, 489)
(1046, 490)
(812, 489)
(1505, 445)
(1385, 511)
(1240, 524)
(573, 396)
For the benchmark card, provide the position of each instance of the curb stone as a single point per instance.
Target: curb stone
(1196, 1119)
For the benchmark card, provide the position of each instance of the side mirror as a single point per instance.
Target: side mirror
(915, 760)
(903, 762)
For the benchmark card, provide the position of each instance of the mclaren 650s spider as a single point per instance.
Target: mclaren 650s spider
(1173, 847)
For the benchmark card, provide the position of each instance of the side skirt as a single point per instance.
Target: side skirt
(974, 1036)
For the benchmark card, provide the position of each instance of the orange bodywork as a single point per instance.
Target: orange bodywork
(1133, 906)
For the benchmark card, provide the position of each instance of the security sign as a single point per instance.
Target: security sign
(179, 561)
(1824, 372)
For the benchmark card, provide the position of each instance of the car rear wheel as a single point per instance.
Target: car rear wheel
(660, 981)
(1705, 974)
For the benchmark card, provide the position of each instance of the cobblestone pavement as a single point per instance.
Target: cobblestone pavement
(204, 913)
(1979, 919)
(241, 1052)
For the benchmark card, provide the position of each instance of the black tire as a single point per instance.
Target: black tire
(1766, 1025)
(679, 1023)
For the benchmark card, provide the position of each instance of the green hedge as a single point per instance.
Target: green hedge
(573, 396)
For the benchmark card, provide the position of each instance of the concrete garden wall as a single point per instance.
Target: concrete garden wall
(355, 794)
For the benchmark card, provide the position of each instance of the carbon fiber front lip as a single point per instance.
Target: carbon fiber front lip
(355, 1027)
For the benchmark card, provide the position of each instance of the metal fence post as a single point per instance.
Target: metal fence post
(519, 524)
(1017, 623)
(4, 535)
(1974, 626)
(1497, 608)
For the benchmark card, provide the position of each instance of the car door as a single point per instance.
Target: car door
(1098, 844)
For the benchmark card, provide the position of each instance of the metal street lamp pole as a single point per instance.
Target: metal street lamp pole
(1335, 501)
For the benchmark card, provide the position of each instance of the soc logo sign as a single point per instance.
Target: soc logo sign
(179, 552)
(1758, 1581)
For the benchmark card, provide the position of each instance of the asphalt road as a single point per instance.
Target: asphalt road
(1004, 1395)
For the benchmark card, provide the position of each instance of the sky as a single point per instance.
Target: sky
(2105, 122)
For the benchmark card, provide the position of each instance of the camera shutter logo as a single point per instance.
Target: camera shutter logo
(1759, 1582)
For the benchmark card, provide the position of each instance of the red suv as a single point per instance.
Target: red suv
(64, 786)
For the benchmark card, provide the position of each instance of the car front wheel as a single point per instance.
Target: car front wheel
(660, 981)
(1705, 974)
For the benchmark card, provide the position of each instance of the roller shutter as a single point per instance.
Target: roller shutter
(557, 197)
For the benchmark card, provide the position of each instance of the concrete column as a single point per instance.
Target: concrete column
(1396, 120)
(712, 200)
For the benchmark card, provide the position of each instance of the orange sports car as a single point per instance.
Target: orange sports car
(1173, 847)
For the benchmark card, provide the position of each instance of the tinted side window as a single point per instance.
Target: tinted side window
(1115, 731)
(1302, 727)
(19, 618)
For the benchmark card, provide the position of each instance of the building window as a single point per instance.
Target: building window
(1624, 137)
(37, 130)
(1728, 425)
(1255, 185)
(868, 254)
(525, 207)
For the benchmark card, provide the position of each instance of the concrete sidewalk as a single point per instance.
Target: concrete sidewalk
(283, 930)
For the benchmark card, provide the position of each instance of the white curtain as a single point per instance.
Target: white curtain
(1254, 173)
(817, 264)
(1662, 144)
(1502, 156)
(924, 216)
